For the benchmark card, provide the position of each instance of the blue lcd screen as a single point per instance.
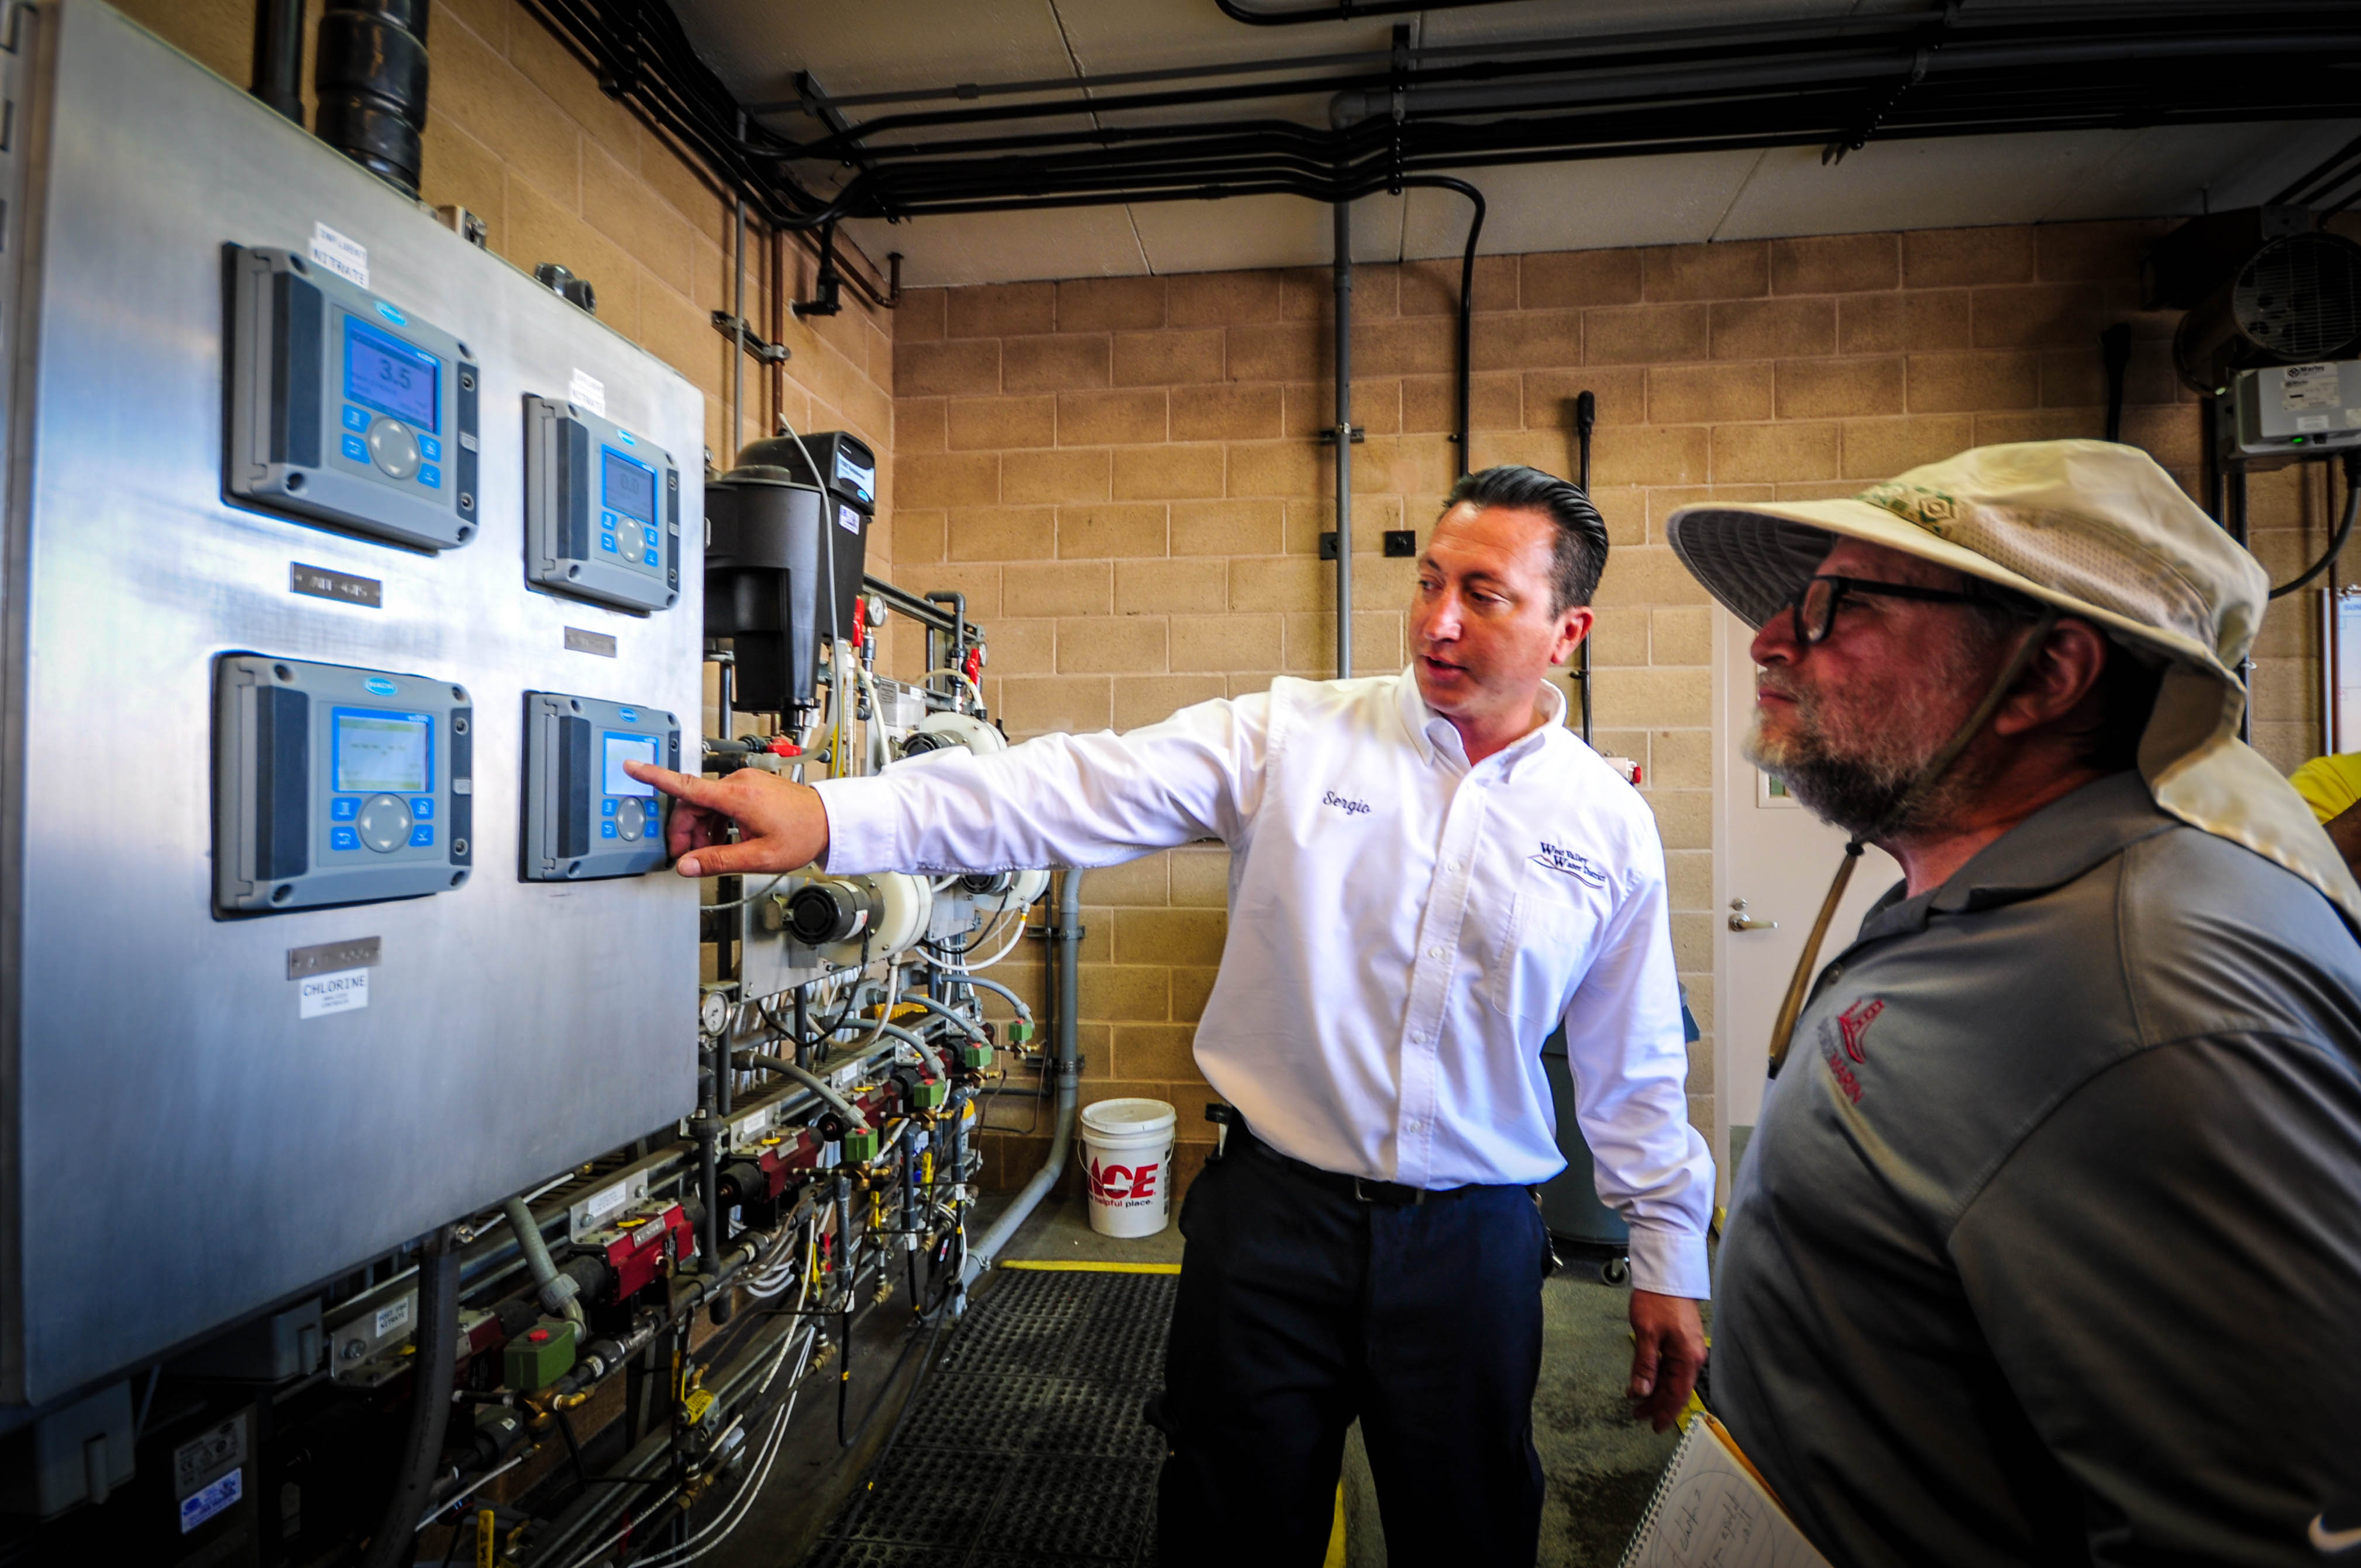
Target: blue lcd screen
(629, 487)
(382, 752)
(389, 376)
(620, 748)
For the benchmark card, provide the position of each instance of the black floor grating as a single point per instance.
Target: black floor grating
(1026, 1447)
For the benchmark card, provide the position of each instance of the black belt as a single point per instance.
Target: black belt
(1359, 1188)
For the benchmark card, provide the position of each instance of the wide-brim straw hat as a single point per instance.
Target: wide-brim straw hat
(2102, 532)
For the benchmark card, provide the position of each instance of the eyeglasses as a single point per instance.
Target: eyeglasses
(1815, 604)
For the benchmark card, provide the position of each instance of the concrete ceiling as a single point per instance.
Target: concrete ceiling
(757, 46)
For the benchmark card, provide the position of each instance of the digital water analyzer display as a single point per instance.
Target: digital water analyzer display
(345, 409)
(622, 749)
(615, 538)
(381, 752)
(337, 786)
(584, 816)
(386, 374)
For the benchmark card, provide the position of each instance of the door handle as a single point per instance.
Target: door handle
(1740, 921)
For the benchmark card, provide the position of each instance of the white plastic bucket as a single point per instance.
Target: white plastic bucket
(1127, 1155)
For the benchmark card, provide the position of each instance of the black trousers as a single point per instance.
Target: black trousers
(1300, 1309)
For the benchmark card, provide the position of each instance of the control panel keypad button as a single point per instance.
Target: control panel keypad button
(355, 449)
(393, 448)
(384, 823)
(422, 837)
(343, 808)
(431, 477)
(607, 543)
(650, 558)
(356, 419)
(630, 819)
(605, 830)
(607, 807)
(430, 449)
(422, 808)
(344, 838)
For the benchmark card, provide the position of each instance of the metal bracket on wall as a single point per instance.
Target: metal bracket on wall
(765, 352)
(1328, 437)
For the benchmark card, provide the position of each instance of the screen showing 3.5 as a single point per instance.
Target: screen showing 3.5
(391, 376)
(622, 749)
(379, 753)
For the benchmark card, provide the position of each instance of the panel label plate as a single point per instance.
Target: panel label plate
(359, 953)
(345, 257)
(346, 990)
(320, 583)
(580, 641)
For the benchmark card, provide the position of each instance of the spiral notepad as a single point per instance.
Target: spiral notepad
(1711, 1510)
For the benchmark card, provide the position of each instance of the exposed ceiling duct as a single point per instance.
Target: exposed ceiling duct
(1953, 69)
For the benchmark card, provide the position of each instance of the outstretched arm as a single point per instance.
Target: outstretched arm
(1058, 800)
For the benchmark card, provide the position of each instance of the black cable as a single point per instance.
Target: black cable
(2343, 529)
(396, 1538)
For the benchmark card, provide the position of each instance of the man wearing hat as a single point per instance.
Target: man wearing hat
(2048, 1245)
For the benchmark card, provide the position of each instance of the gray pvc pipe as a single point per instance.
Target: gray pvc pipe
(1014, 1000)
(556, 1290)
(1343, 213)
(930, 1004)
(811, 1081)
(1068, 938)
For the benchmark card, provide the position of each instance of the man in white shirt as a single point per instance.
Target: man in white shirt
(1429, 873)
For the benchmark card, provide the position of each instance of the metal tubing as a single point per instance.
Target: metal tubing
(1343, 212)
(1068, 937)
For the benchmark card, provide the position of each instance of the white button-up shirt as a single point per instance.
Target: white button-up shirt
(1405, 930)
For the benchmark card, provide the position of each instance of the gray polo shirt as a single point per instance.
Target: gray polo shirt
(2047, 1247)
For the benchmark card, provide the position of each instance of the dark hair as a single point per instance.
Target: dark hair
(1579, 551)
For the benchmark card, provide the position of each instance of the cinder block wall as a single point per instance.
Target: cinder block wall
(1124, 476)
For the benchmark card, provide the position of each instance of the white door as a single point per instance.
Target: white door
(1772, 865)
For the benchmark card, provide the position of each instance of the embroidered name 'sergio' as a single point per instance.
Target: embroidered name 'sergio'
(1572, 864)
(1349, 808)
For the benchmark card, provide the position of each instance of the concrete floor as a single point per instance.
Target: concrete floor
(1600, 1465)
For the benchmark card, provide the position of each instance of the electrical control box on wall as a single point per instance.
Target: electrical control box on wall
(602, 509)
(338, 785)
(584, 816)
(306, 701)
(347, 407)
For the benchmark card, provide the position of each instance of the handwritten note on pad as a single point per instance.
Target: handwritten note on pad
(1712, 1512)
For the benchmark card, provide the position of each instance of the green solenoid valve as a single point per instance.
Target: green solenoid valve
(973, 1056)
(860, 1147)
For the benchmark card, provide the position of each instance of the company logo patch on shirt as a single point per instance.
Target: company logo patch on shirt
(1855, 1021)
(1574, 865)
(1348, 807)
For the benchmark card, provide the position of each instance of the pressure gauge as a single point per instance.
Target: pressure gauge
(713, 1012)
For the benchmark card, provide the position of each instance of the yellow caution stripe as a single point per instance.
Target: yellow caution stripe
(1079, 1265)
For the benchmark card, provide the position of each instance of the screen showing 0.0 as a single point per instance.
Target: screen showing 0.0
(383, 753)
(629, 487)
(622, 749)
(389, 376)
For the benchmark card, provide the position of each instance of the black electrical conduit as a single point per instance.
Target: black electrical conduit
(2336, 542)
(278, 56)
(370, 79)
(656, 68)
(437, 1338)
(1341, 10)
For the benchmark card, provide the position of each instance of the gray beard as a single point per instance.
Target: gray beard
(1856, 793)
